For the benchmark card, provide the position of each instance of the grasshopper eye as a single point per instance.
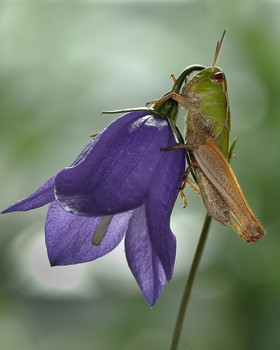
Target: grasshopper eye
(217, 78)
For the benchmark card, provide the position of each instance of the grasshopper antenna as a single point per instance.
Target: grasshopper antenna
(218, 48)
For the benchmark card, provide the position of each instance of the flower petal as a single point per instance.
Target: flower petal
(116, 174)
(45, 194)
(141, 258)
(42, 196)
(161, 199)
(69, 236)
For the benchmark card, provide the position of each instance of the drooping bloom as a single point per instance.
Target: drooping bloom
(120, 185)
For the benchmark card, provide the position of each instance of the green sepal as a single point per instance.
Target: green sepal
(184, 76)
(231, 154)
(127, 110)
(93, 135)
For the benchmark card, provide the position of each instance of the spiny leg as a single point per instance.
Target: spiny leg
(172, 95)
(173, 78)
(182, 194)
(180, 99)
(185, 180)
(185, 177)
(193, 185)
(180, 146)
(172, 148)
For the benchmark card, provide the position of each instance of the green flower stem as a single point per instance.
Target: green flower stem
(188, 287)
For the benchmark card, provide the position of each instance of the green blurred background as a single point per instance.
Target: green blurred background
(61, 64)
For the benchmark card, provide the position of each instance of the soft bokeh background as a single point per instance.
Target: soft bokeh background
(61, 64)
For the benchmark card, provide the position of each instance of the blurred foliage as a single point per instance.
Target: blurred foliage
(61, 64)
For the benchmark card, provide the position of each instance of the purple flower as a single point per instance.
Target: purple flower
(121, 184)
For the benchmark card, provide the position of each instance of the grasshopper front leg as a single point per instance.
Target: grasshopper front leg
(187, 180)
(176, 97)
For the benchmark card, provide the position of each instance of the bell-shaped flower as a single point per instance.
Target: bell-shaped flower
(120, 185)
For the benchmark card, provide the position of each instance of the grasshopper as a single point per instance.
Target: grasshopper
(206, 102)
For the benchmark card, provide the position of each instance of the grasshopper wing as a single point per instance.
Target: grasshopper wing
(213, 164)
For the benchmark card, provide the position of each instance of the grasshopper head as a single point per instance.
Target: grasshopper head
(209, 80)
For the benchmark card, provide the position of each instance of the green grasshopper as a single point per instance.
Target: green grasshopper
(205, 99)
